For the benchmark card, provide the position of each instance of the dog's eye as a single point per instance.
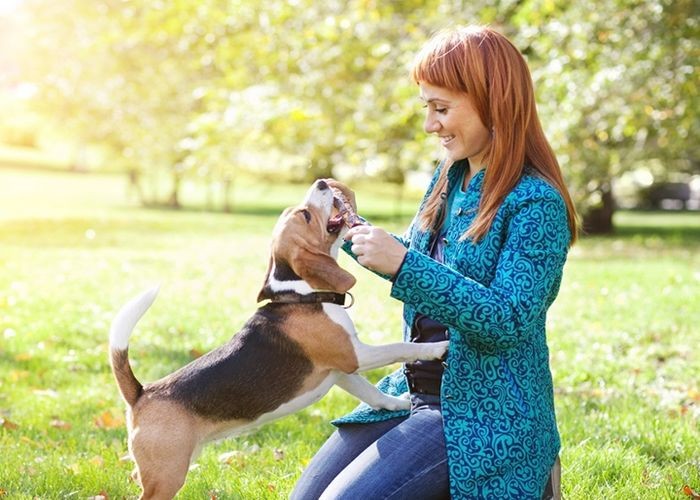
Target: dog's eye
(307, 215)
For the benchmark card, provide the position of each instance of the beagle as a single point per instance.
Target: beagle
(286, 357)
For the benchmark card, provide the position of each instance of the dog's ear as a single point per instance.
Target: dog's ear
(321, 271)
(265, 292)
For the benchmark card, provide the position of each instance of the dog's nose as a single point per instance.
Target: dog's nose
(321, 185)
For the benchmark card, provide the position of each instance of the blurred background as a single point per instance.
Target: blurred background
(194, 96)
(131, 129)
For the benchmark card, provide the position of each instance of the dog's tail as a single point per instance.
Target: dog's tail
(122, 326)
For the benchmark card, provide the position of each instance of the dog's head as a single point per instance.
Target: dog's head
(305, 244)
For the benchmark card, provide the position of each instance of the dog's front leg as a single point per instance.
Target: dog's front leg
(359, 387)
(376, 356)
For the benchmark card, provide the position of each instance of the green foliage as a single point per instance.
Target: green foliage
(622, 337)
(209, 88)
(616, 85)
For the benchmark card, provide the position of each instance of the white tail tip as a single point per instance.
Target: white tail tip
(127, 317)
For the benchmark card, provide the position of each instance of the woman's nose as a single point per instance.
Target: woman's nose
(431, 125)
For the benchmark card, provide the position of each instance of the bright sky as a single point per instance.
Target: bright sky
(9, 6)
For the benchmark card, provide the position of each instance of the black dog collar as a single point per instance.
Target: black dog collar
(313, 298)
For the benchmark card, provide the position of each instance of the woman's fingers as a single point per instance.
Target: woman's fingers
(376, 249)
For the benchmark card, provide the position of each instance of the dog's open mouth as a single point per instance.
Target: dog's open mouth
(346, 216)
(335, 223)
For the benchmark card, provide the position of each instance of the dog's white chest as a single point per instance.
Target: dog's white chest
(340, 316)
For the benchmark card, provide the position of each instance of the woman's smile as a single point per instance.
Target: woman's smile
(446, 139)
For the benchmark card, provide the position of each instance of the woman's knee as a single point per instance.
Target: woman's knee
(341, 448)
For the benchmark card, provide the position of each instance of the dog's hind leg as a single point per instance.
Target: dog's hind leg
(162, 466)
(164, 488)
(163, 441)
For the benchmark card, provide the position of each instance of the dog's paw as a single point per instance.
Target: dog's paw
(392, 403)
(436, 350)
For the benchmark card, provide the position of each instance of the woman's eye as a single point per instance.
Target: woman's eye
(442, 111)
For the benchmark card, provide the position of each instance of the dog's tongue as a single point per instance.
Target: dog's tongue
(335, 223)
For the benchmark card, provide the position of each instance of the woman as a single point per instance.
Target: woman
(480, 265)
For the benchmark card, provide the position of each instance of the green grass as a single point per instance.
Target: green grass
(623, 337)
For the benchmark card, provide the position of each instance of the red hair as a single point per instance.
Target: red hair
(485, 65)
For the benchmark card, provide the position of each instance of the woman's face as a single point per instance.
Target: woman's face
(452, 116)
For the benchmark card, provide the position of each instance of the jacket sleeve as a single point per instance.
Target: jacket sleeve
(525, 283)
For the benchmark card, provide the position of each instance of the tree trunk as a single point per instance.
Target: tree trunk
(228, 198)
(174, 200)
(599, 219)
(134, 187)
(398, 200)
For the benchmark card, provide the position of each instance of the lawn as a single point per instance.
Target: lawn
(623, 336)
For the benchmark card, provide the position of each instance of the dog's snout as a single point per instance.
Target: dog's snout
(321, 185)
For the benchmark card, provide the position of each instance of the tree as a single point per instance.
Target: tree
(139, 77)
(209, 88)
(616, 86)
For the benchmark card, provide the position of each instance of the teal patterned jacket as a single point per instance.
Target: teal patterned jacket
(497, 396)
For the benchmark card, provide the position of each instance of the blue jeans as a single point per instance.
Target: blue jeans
(398, 458)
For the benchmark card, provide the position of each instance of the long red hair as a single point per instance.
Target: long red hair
(485, 65)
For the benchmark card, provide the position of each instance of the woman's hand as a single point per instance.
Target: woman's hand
(376, 249)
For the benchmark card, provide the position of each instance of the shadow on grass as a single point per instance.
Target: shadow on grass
(680, 228)
(675, 235)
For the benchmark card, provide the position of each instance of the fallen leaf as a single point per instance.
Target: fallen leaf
(232, 457)
(57, 423)
(195, 353)
(3, 492)
(694, 394)
(74, 468)
(108, 421)
(97, 461)
(6, 424)
(17, 375)
(27, 440)
(253, 448)
(278, 454)
(46, 392)
(23, 356)
(691, 492)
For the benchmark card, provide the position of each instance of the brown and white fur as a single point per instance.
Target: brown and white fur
(286, 357)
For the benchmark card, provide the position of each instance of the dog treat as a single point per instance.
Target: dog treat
(345, 209)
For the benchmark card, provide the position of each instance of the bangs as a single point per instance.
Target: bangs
(443, 62)
(436, 64)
